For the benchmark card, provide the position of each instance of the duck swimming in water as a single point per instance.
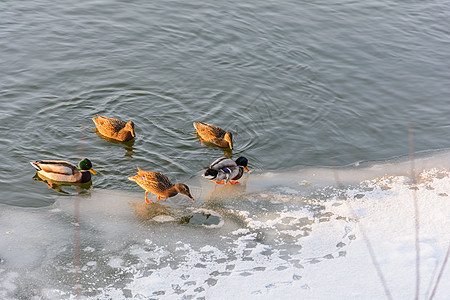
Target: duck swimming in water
(115, 129)
(63, 171)
(214, 135)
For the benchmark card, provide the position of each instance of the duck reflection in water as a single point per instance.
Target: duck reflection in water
(128, 145)
(228, 191)
(147, 212)
(58, 186)
(226, 151)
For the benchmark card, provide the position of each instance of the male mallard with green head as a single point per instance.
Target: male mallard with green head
(115, 129)
(224, 170)
(63, 171)
(214, 135)
(159, 184)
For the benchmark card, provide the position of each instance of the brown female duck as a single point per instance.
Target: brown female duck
(159, 184)
(115, 129)
(214, 135)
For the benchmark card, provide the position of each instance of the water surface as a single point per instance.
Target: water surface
(298, 83)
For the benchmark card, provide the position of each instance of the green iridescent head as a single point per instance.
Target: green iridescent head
(86, 164)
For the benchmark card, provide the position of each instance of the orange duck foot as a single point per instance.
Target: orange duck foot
(234, 182)
(161, 198)
(220, 182)
(146, 199)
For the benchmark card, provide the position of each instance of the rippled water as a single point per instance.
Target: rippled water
(298, 83)
(302, 85)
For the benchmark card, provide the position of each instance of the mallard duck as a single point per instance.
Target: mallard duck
(63, 171)
(224, 170)
(115, 129)
(159, 184)
(214, 135)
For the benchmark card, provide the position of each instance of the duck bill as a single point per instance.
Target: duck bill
(246, 168)
(93, 171)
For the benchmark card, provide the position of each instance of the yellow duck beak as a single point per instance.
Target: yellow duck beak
(93, 171)
(246, 168)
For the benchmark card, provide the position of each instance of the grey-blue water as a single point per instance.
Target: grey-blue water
(299, 83)
(303, 85)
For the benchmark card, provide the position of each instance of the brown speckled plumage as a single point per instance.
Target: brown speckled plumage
(115, 129)
(159, 184)
(214, 135)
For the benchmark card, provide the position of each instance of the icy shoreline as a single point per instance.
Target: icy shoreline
(297, 238)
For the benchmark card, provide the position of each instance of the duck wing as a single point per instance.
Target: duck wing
(208, 131)
(55, 166)
(109, 124)
(223, 162)
(155, 180)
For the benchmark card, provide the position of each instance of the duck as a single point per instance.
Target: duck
(159, 184)
(214, 135)
(115, 129)
(63, 171)
(224, 170)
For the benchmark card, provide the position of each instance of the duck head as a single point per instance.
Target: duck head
(229, 138)
(86, 165)
(242, 161)
(130, 127)
(183, 189)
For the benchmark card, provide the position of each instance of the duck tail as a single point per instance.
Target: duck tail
(35, 165)
(210, 174)
(132, 178)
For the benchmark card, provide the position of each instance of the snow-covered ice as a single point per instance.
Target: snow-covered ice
(271, 238)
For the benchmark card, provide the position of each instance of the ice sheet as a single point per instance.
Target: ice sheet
(286, 239)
